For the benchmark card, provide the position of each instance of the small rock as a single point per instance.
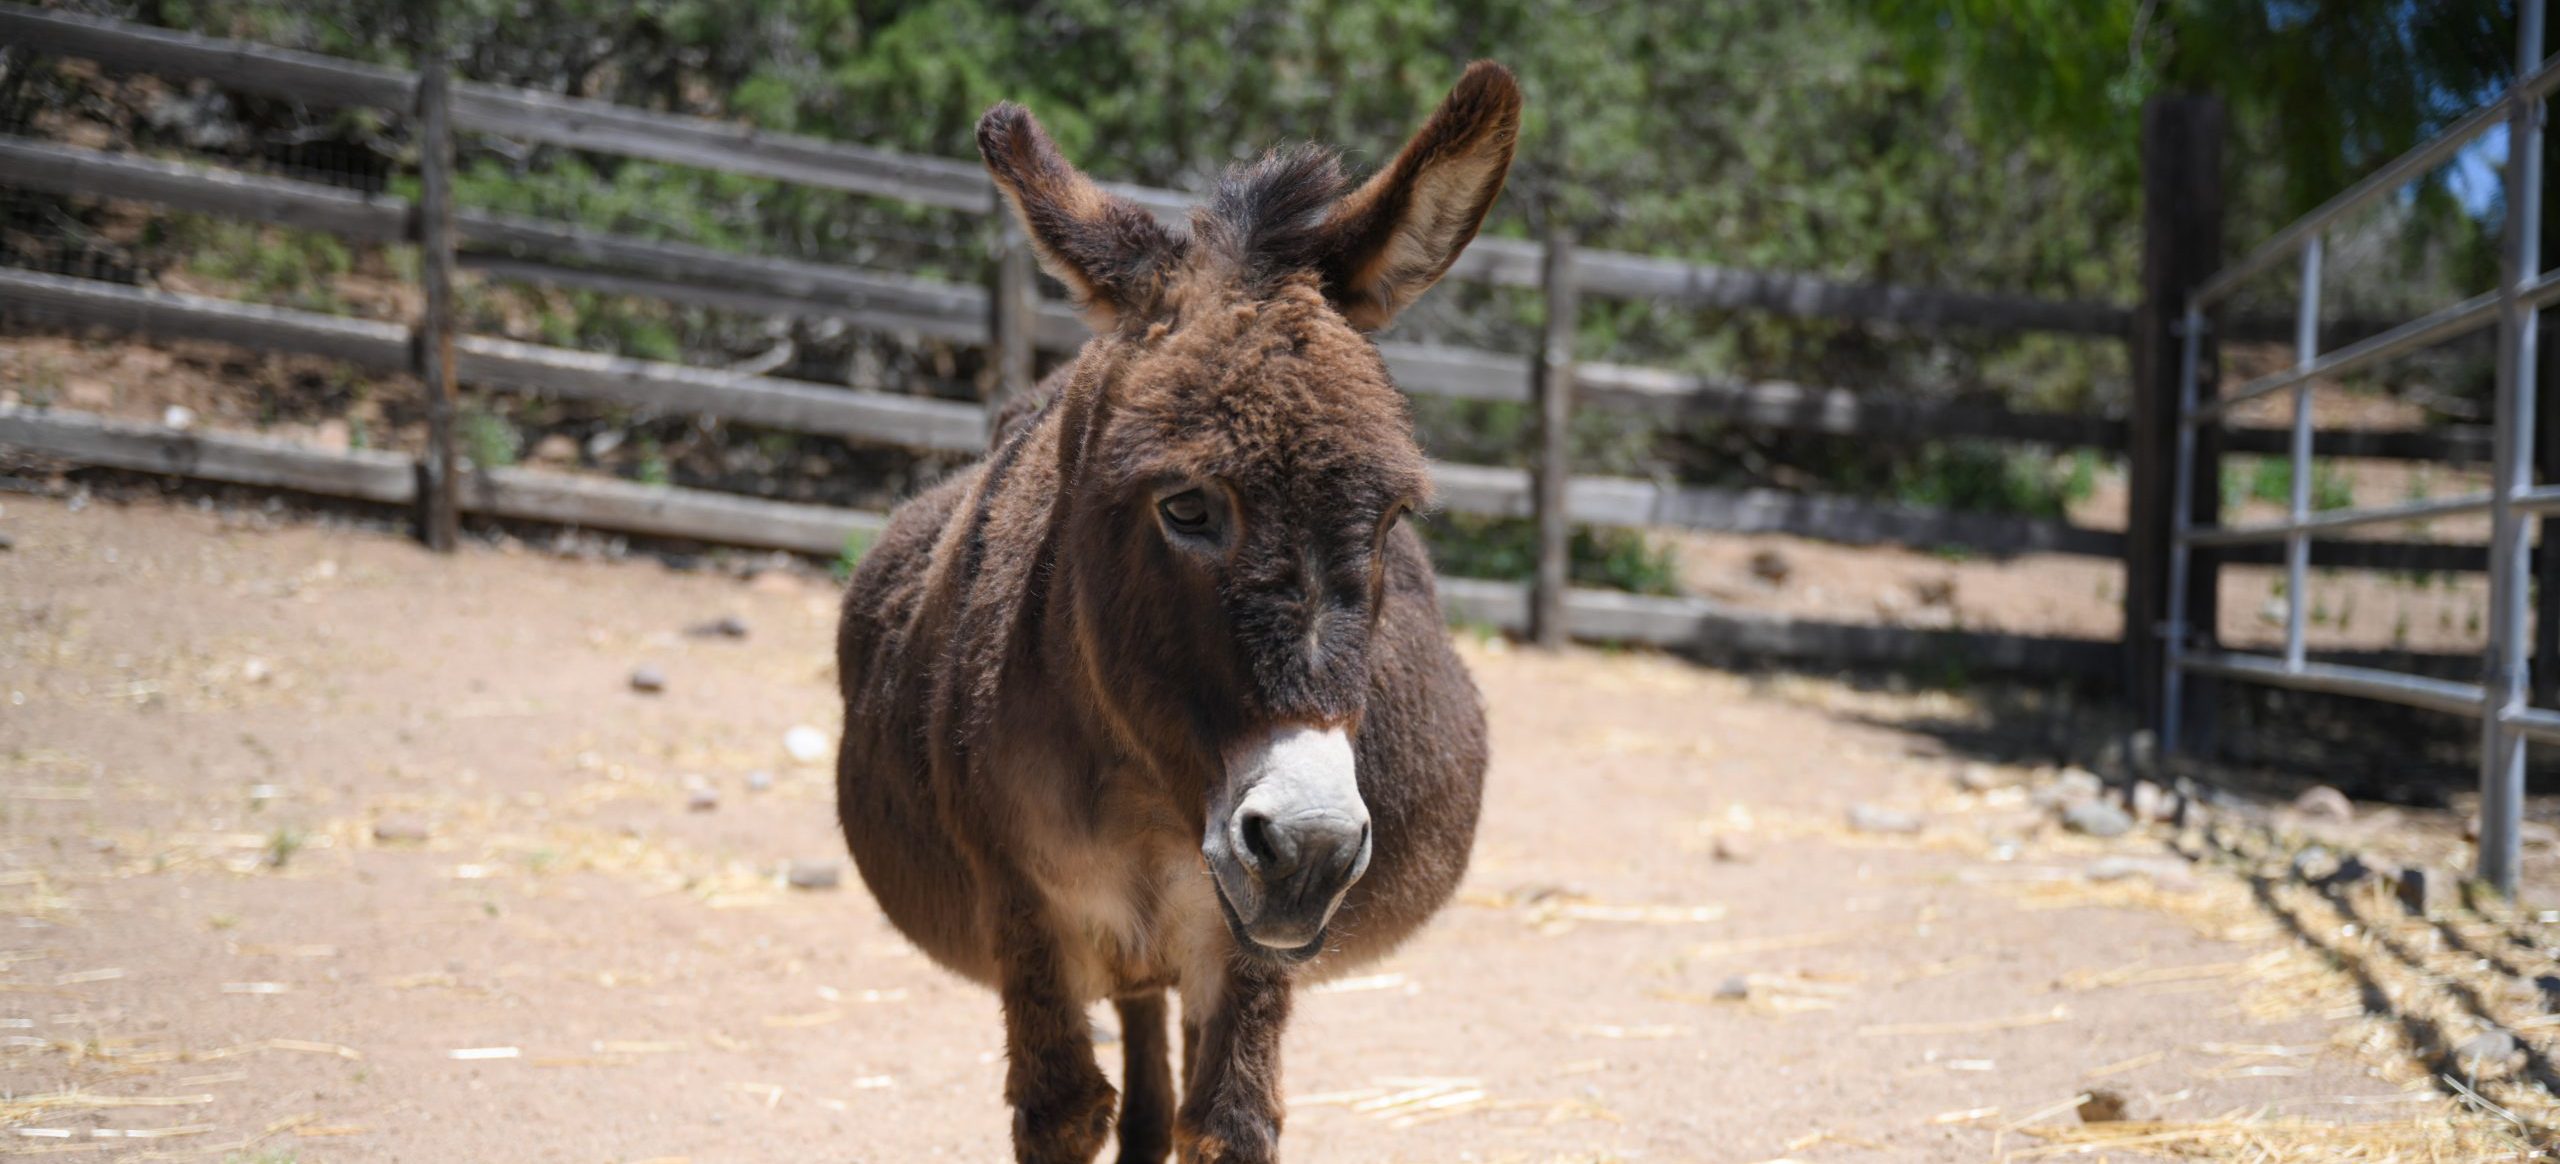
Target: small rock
(2102, 1107)
(2311, 864)
(408, 830)
(2068, 787)
(1771, 567)
(2549, 985)
(2152, 802)
(7, 542)
(2165, 874)
(1935, 591)
(2488, 1049)
(806, 744)
(726, 627)
(1732, 848)
(1867, 818)
(255, 671)
(1978, 777)
(814, 874)
(648, 680)
(178, 416)
(2097, 818)
(759, 781)
(604, 442)
(1734, 989)
(2324, 803)
(702, 800)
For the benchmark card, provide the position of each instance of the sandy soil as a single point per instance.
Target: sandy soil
(202, 724)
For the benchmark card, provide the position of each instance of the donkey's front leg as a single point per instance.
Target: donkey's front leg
(1061, 1102)
(1231, 1100)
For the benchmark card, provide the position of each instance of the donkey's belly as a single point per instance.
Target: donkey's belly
(921, 882)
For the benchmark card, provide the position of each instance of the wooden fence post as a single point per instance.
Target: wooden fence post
(2181, 247)
(1013, 313)
(1552, 390)
(440, 486)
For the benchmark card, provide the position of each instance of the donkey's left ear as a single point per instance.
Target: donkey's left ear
(1390, 240)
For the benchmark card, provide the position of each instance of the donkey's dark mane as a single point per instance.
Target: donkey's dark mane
(1267, 216)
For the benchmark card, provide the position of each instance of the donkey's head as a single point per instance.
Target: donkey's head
(1232, 461)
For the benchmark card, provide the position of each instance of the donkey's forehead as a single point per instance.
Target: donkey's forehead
(1266, 392)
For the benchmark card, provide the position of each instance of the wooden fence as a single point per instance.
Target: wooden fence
(1008, 318)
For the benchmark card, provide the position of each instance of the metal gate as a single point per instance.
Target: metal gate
(2502, 700)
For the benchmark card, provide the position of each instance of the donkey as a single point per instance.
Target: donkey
(1158, 695)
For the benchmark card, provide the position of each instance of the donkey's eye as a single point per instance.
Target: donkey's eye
(1188, 512)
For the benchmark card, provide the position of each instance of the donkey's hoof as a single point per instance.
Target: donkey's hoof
(1233, 1140)
(1067, 1129)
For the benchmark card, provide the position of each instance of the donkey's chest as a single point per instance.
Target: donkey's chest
(1131, 921)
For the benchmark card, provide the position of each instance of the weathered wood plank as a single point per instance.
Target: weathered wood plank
(604, 127)
(914, 422)
(1497, 492)
(237, 65)
(390, 479)
(1458, 373)
(1711, 629)
(29, 164)
(382, 347)
(90, 439)
(666, 511)
(958, 329)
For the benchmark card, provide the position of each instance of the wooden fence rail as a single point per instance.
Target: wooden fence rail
(1008, 319)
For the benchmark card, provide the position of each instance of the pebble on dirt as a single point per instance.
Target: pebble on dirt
(806, 744)
(1978, 777)
(702, 799)
(1729, 847)
(814, 874)
(2325, 803)
(2152, 802)
(2071, 786)
(759, 781)
(400, 830)
(2097, 818)
(1734, 989)
(2164, 873)
(725, 627)
(2102, 1107)
(1867, 818)
(648, 680)
(7, 542)
(2487, 1051)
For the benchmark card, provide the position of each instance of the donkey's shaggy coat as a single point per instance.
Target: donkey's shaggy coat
(1158, 695)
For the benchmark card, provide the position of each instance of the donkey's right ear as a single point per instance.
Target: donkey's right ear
(1108, 250)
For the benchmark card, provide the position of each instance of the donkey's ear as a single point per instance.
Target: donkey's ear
(1391, 239)
(1106, 249)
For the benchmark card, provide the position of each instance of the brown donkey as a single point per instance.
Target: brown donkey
(1158, 695)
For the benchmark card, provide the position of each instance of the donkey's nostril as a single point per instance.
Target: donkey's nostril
(1259, 842)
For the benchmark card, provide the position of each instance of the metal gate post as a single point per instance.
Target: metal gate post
(2505, 683)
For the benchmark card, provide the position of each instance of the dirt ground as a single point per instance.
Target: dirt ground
(206, 951)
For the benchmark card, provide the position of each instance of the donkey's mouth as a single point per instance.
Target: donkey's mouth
(1250, 945)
